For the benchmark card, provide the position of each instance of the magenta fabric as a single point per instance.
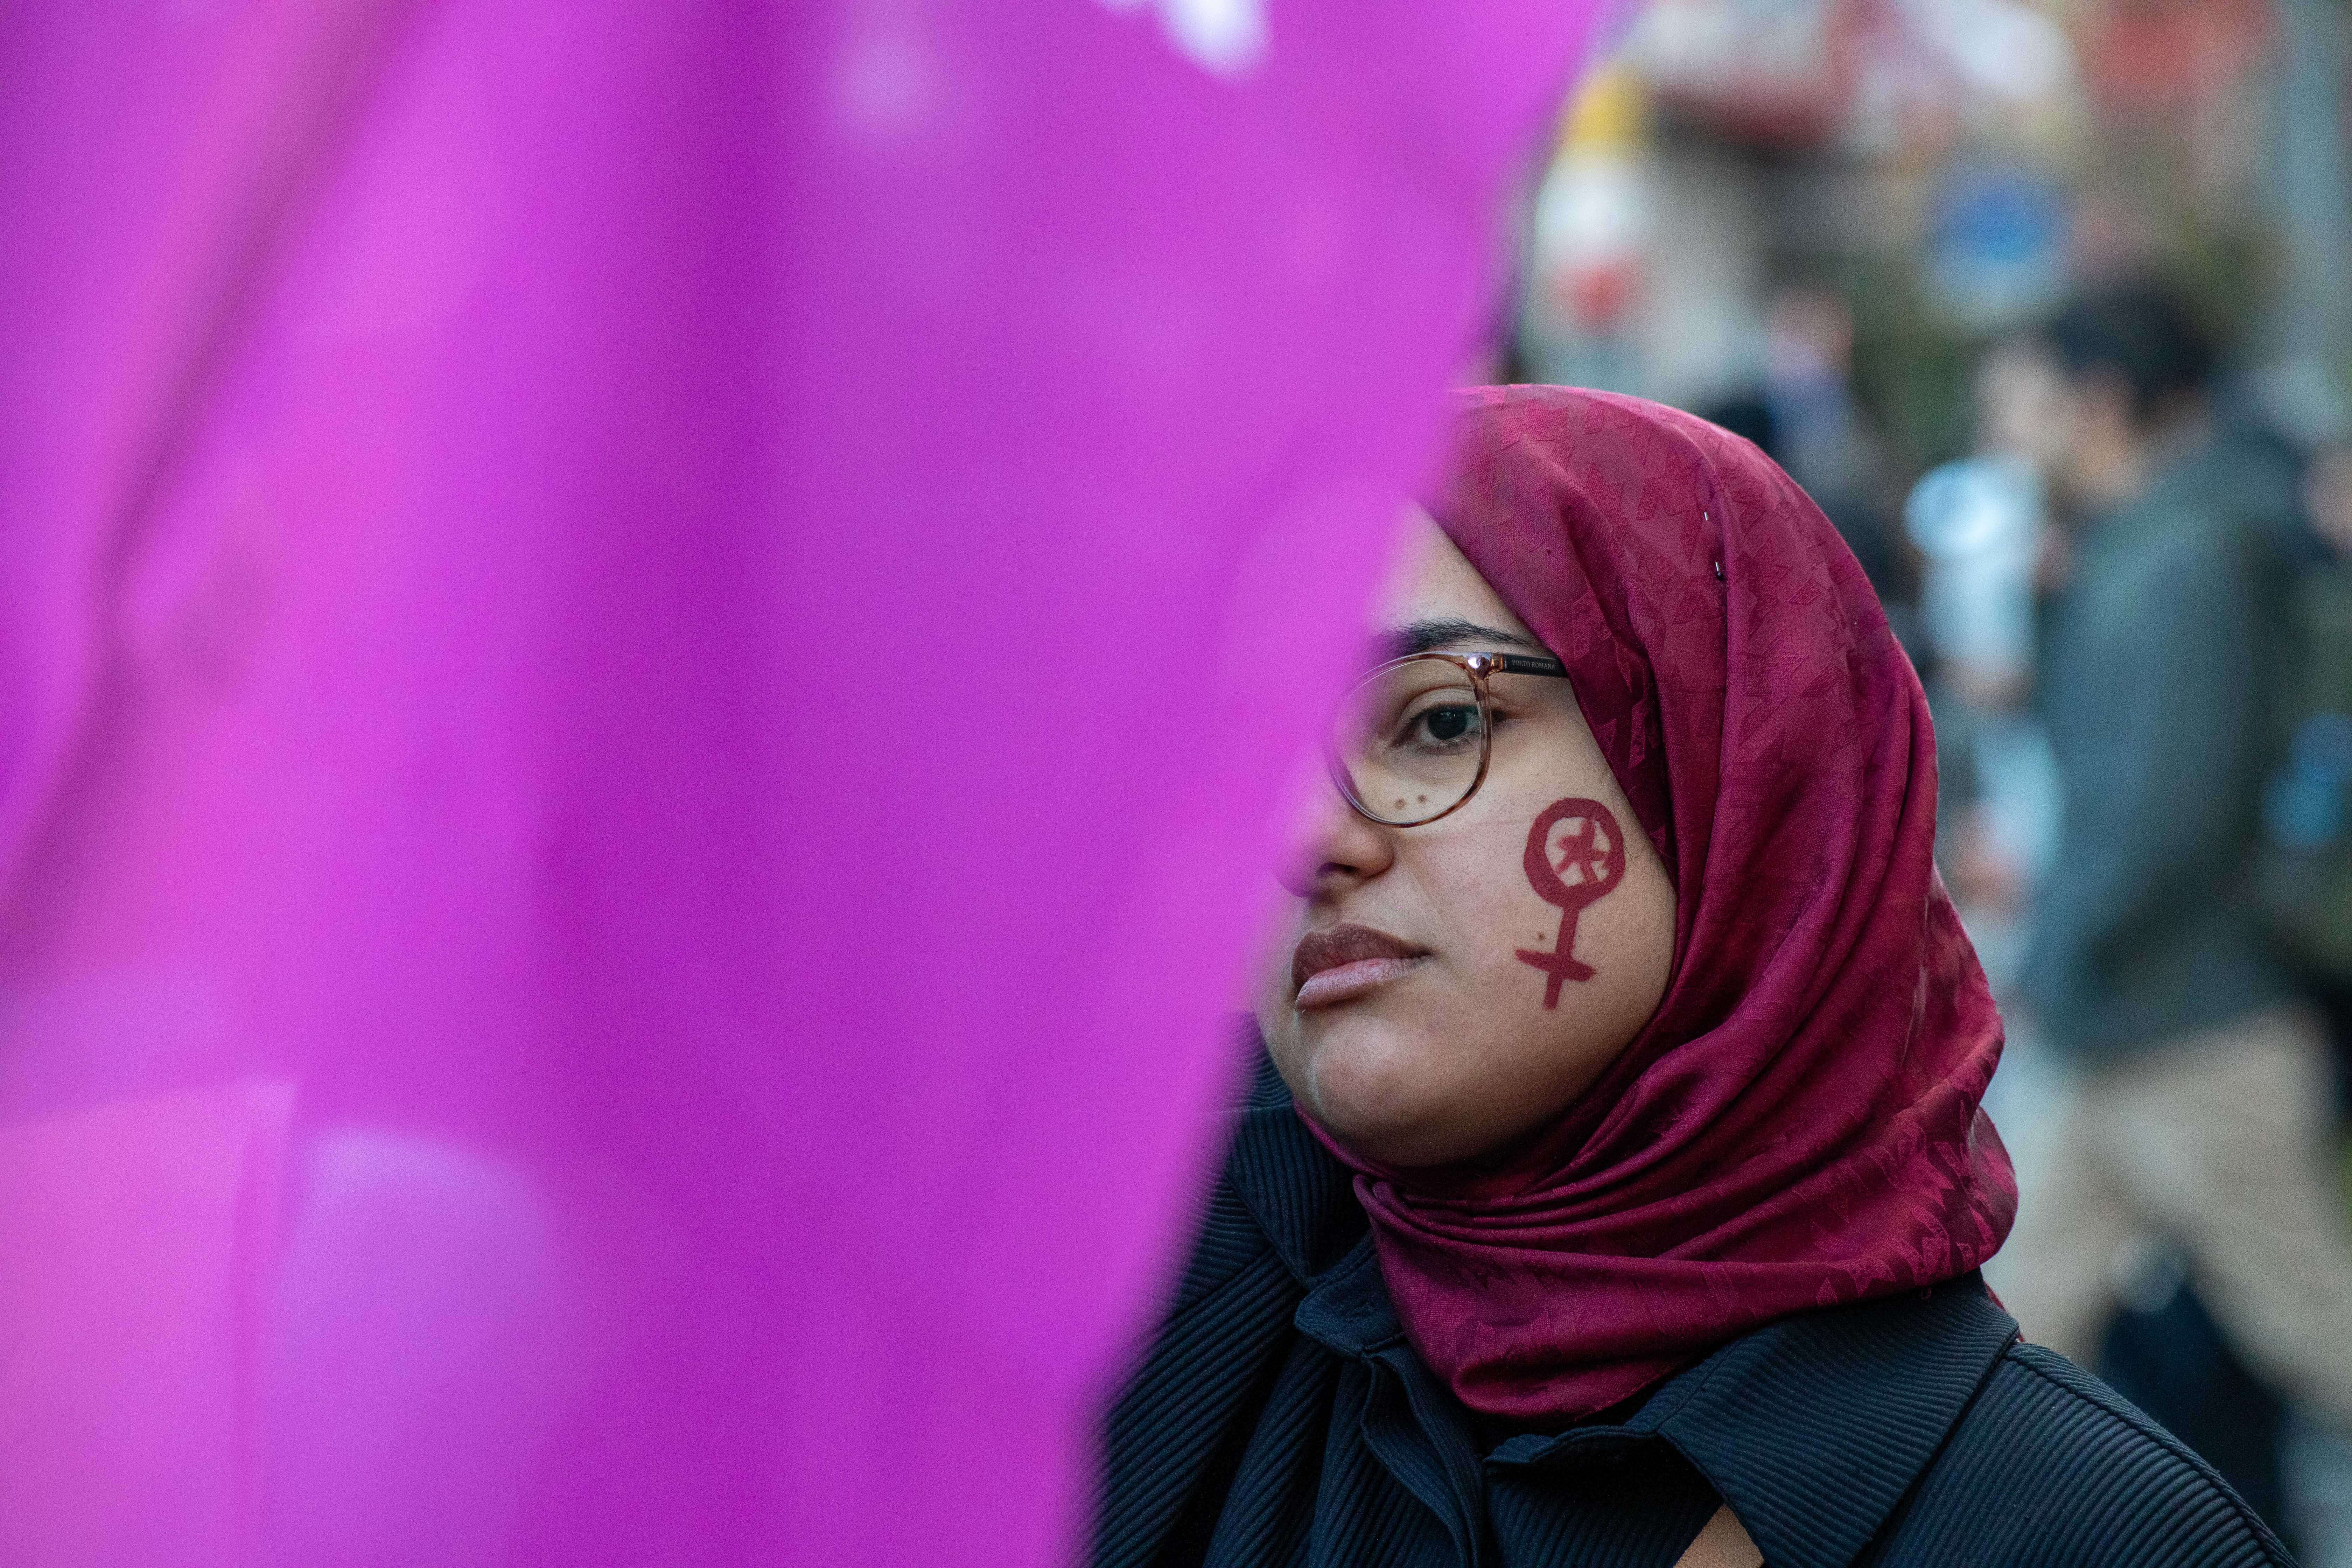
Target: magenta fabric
(1798, 1125)
(649, 652)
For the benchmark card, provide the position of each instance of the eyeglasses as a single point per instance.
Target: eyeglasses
(1410, 741)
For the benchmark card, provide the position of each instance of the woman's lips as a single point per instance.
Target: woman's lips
(1329, 967)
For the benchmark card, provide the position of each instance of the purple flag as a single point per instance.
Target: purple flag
(649, 652)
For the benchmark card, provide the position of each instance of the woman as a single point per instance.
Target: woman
(1616, 1187)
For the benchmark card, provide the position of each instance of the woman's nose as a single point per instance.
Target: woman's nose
(1329, 843)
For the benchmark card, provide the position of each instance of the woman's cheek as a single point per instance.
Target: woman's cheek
(1575, 856)
(1529, 915)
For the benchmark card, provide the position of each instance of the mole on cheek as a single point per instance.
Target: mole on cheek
(1575, 856)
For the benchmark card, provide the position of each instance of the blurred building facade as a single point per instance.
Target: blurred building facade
(1946, 168)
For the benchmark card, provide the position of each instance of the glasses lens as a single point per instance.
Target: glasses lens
(1408, 741)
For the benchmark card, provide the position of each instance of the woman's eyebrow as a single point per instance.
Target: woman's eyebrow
(1428, 637)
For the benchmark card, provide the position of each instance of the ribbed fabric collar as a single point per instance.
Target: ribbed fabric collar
(1814, 1428)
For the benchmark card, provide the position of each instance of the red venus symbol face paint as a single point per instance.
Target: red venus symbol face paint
(1575, 855)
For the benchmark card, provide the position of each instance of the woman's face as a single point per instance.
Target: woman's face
(1416, 998)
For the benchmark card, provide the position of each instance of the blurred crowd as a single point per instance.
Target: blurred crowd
(2049, 308)
(2137, 624)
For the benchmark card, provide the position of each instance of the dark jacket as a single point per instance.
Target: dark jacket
(2160, 689)
(1280, 1418)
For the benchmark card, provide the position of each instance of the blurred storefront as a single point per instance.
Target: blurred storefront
(1944, 168)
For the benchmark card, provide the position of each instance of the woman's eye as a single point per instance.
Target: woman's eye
(1447, 725)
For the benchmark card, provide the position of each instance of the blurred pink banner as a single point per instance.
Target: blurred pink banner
(649, 651)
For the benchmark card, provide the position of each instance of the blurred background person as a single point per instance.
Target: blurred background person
(1981, 526)
(2195, 1101)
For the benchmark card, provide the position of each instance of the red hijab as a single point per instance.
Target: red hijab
(1797, 1124)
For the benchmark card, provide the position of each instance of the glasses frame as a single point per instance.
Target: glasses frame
(1478, 666)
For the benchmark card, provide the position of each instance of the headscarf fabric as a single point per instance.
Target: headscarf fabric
(1798, 1125)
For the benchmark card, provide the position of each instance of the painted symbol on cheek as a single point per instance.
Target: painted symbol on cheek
(1575, 856)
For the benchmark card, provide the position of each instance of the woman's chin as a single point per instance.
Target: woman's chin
(1382, 1097)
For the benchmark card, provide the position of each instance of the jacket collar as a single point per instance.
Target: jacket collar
(1813, 1429)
